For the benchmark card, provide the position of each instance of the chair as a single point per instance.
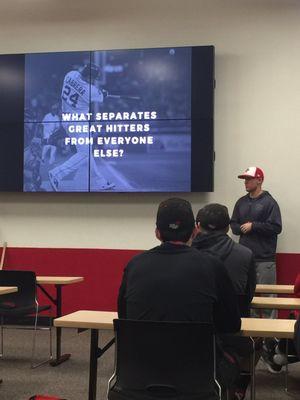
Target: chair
(244, 304)
(164, 359)
(21, 304)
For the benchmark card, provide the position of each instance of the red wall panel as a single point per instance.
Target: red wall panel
(288, 267)
(102, 271)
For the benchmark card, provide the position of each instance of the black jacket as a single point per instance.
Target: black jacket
(178, 283)
(238, 261)
(264, 213)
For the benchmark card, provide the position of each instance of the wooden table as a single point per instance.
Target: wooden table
(275, 289)
(264, 327)
(87, 320)
(278, 303)
(59, 282)
(8, 289)
(95, 320)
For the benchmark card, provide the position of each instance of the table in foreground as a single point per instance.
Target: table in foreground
(275, 289)
(265, 327)
(59, 282)
(95, 320)
(278, 303)
(8, 289)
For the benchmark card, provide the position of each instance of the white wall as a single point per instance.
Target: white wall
(257, 113)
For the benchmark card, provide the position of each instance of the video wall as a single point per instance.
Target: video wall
(108, 121)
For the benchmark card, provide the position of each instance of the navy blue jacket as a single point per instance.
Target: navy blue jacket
(238, 261)
(264, 213)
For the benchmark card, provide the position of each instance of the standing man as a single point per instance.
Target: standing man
(256, 219)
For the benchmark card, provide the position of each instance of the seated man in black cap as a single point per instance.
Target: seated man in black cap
(174, 282)
(213, 224)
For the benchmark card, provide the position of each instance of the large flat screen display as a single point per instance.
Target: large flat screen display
(108, 121)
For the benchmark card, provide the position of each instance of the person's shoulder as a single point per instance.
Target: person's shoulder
(142, 255)
(242, 251)
(47, 117)
(217, 269)
(74, 74)
(267, 201)
(245, 197)
(95, 91)
(196, 252)
(204, 263)
(207, 257)
(242, 199)
(202, 255)
(268, 197)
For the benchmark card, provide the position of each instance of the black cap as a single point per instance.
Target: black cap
(213, 217)
(175, 215)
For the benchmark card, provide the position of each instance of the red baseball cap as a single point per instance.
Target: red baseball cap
(252, 172)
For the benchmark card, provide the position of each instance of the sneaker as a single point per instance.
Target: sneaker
(53, 181)
(267, 358)
(280, 359)
(239, 394)
(270, 344)
(107, 186)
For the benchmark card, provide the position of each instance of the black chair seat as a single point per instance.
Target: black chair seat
(118, 394)
(16, 307)
(10, 310)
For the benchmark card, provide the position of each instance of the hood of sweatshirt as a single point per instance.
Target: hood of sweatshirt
(217, 243)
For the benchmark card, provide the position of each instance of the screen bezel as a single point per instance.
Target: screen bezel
(12, 77)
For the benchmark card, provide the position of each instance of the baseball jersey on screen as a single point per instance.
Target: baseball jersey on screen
(77, 93)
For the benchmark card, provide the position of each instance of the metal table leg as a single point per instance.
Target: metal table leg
(95, 353)
(60, 358)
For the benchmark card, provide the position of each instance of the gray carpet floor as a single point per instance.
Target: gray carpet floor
(70, 379)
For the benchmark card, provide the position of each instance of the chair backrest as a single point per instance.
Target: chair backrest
(244, 305)
(297, 337)
(26, 283)
(165, 357)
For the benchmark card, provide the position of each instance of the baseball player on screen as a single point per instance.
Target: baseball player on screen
(78, 91)
(50, 124)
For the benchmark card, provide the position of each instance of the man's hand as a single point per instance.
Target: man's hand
(104, 93)
(246, 228)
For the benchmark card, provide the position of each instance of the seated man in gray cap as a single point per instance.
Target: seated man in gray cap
(213, 224)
